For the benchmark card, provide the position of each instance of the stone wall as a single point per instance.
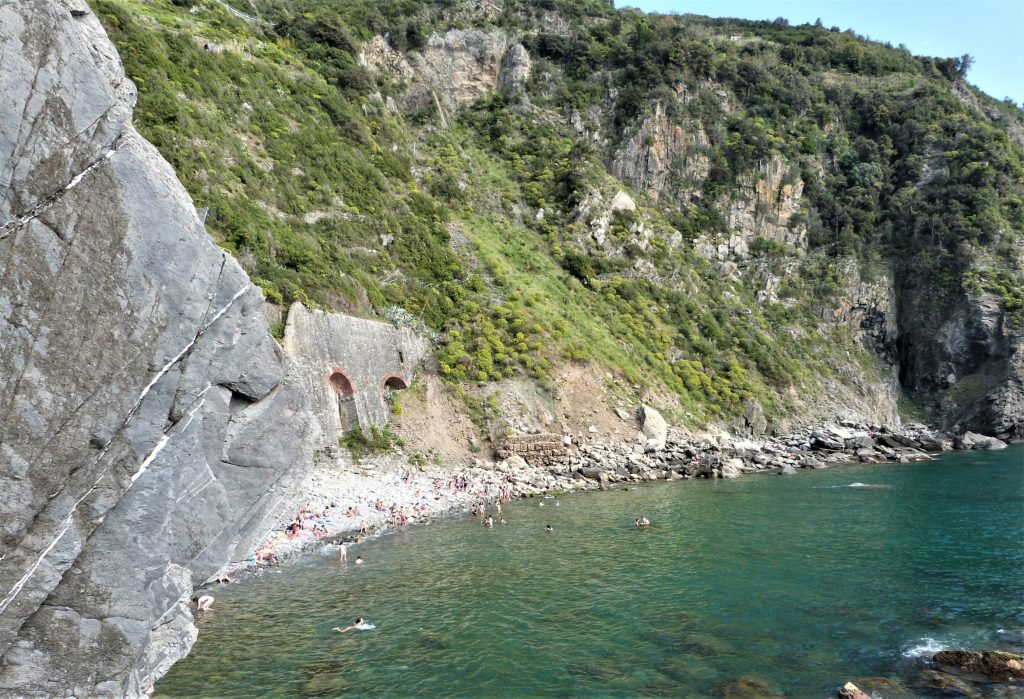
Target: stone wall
(535, 449)
(349, 364)
(149, 423)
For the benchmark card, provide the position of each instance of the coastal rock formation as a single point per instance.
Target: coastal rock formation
(149, 423)
(453, 69)
(968, 352)
(763, 206)
(971, 440)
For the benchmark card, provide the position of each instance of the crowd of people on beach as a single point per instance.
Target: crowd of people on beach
(360, 510)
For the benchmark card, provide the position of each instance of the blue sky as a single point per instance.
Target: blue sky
(992, 31)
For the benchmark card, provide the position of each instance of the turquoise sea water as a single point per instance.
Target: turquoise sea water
(801, 582)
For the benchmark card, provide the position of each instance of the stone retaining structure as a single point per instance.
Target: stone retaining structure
(349, 366)
(535, 449)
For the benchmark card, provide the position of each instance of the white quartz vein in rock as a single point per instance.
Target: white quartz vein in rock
(164, 438)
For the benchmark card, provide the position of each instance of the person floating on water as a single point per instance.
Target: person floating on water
(359, 625)
(548, 528)
(359, 560)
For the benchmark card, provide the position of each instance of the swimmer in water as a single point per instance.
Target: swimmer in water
(204, 603)
(548, 528)
(358, 625)
(359, 560)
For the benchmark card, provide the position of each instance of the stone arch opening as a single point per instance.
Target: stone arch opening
(345, 396)
(395, 383)
(388, 388)
(341, 384)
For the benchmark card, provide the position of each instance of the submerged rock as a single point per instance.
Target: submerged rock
(748, 688)
(936, 682)
(996, 665)
(886, 687)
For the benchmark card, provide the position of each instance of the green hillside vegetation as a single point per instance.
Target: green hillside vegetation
(328, 197)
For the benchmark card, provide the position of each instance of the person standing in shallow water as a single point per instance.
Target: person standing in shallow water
(342, 553)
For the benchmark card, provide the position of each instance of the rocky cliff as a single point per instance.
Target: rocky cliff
(148, 420)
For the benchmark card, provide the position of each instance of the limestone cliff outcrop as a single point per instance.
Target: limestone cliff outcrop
(763, 205)
(453, 69)
(661, 157)
(149, 423)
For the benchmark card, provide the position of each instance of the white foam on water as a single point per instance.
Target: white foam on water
(925, 647)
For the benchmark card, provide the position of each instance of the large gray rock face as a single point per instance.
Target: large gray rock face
(149, 423)
(969, 352)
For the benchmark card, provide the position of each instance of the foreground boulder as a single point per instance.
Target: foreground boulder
(973, 440)
(655, 428)
(996, 665)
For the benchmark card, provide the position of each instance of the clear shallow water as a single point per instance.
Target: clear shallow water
(801, 582)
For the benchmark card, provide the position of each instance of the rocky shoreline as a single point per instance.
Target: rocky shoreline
(538, 463)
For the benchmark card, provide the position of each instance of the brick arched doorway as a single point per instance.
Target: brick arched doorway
(388, 385)
(345, 394)
(394, 382)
